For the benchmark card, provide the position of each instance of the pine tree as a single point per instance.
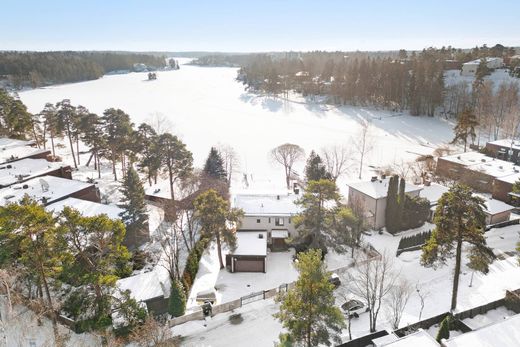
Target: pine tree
(308, 311)
(466, 124)
(177, 301)
(117, 129)
(51, 124)
(135, 216)
(214, 215)
(401, 202)
(459, 218)
(315, 169)
(177, 160)
(214, 166)
(67, 116)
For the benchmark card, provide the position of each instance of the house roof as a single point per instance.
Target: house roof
(58, 188)
(147, 285)
(433, 192)
(509, 143)
(481, 163)
(503, 334)
(159, 190)
(267, 205)
(25, 169)
(419, 338)
(494, 206)
(87, 208)
(487, 59)
(14, 153)
(379, 188)
(250, 243)
(8, 143)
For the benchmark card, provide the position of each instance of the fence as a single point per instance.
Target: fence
(364, 340)
(413, 242)
(503, 224)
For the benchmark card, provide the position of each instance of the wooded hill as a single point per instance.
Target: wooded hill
(43, 68)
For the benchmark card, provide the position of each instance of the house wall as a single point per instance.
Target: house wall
(268, 224)
(469, 69)
(501, 190)
(477, 180)
(502, 152)
(157, 306)
(90, 194)
(497, 218)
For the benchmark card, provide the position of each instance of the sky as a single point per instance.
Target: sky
(256, 26)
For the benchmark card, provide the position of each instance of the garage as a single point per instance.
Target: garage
(250, 252)
(249, 265)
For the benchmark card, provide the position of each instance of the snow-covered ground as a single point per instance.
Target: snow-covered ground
(493, 316)
(206, 106)
(498, 76)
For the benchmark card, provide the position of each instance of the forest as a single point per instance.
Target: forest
(37, 69)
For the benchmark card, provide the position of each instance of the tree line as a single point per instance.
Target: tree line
(36, 69)
(396, 80)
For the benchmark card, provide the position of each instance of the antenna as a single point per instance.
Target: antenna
(44, 184)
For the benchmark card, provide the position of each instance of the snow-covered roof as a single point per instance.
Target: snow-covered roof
(8, 143)
(379, 188)
(509, 143)
(487, 60)
(25, 169)
(487, 165)
(87, 208)
(433, 192)
(384, 340)
(468, 158)
(147, 285)
(20, 152)
(58, 188)
(419, 338)
(250, 243)
(503, 334)
(494, 206)
(280, 234)
(267, 205)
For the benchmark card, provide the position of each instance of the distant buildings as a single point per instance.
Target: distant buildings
(470, 68)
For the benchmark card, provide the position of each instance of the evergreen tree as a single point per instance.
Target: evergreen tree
(214, 215)
(150, 153)
(177, 160)
(392, 205)
(117, 129)
(177, 301)
(214, 166)
(315, 169)
(466, 125)
(92, 136)
(401, 201)
(459, 218)
(15, 120)
(67, 117)
(134, 215)
(51, 124)
(314, 223)
(444, 329)
(308, 311)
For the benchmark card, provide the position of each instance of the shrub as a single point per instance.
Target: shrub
(444, 330)
(177, 303)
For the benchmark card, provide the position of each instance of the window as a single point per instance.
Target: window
(32, 343)
(289, 220)
(269, 220)
(258, 220)
(278, 221)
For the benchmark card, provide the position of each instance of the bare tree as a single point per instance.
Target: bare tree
(336, 160)
(160, 123)
(372, 279)
(397, 299)
(363, 143)
(423, 294)
(231, 162)
(153, 334)
(286, 155)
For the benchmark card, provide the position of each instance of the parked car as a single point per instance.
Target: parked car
(353, 308)
(334, 279)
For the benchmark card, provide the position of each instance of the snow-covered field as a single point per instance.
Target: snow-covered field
(206, 106)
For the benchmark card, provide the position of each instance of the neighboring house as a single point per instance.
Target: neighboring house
(480, 172)
(26, 169)
(87, 208)
(505, 149)
(49, 189)
(250, 252)
(470, 68)
(433, 192)
(372, 195)
(271, 213)
(420, 338)
(159, 193)
(151, 288)
(504, 334)
(10, 154)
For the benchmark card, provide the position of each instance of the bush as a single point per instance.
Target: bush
(414, 240)
(192, 264)
(416, 212)
(177, 304)
(444, 330)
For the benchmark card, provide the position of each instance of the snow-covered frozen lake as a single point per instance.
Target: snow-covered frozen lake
(206, 106)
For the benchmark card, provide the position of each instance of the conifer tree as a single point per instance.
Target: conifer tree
(308, 311)
(214, 166)
(214, 216)
(401, 201)
(177, 160)
(466, 125)
(67, 116)
(444, 329)
(177, 301)
(51, 125)
(117, 129)
(135, 216)
(391, 205)
(459, 218)
(315, 169)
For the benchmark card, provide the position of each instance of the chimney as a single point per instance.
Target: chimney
(383, 176)
(373, 179)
